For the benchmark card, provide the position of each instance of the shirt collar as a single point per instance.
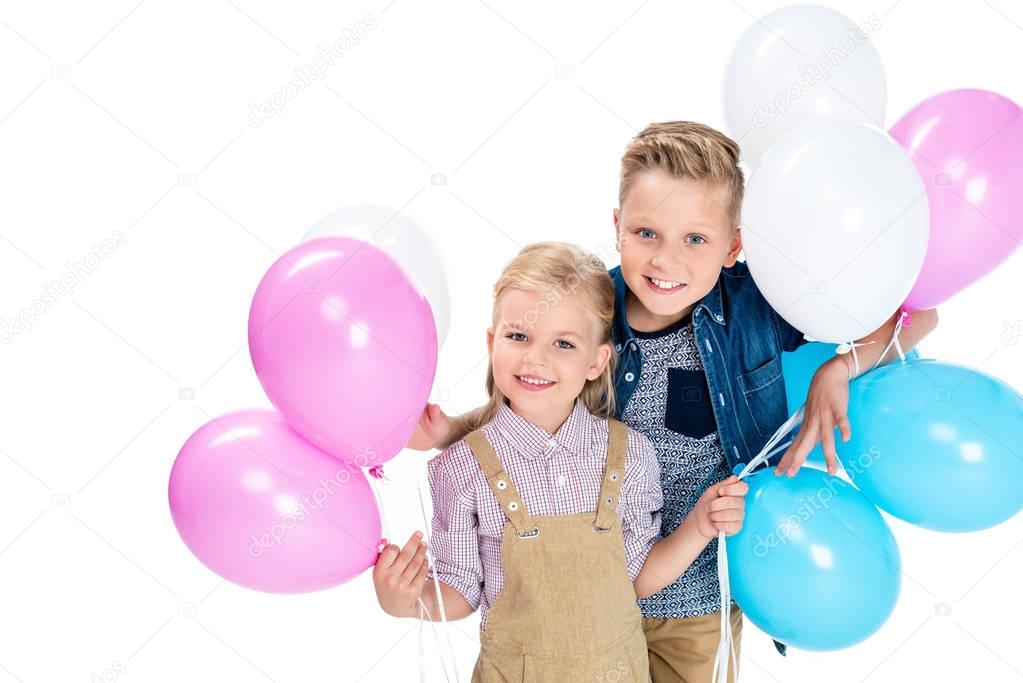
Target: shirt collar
(712, 302)
(533, 441)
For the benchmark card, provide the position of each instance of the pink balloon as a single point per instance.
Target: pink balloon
(264, 508)
(968, 146)
(345, 347)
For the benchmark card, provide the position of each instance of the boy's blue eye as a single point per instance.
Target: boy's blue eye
(516, 336)
(567, 344)
(646, 233)
(698, 237)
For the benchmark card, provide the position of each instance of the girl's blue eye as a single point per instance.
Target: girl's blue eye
(698, 237)
(516, 336)
(567, 344)
(646, 233)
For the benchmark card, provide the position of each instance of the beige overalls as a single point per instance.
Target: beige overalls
(567, 611)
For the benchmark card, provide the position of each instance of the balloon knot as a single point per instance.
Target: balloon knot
(377, 471)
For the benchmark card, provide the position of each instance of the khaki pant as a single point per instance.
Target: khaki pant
(686, 649)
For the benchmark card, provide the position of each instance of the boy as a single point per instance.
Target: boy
(700, 362)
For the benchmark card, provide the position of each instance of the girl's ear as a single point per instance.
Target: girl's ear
(734, 247)
(490, 341)
(600, 361)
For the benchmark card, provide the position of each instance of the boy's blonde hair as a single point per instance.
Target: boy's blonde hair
(683, 149)
(558, 269)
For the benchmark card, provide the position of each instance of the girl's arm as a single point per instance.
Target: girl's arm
(720, 508)
(400, 581)
(455, 605)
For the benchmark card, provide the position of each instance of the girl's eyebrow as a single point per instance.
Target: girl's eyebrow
(568, 333)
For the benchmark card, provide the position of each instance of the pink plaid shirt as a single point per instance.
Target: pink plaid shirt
(554, 475)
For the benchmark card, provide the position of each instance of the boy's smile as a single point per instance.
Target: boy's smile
(674, 235)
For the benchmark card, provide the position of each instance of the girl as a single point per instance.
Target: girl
(546, 518)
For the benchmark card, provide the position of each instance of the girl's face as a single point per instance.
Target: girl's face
(542, 351)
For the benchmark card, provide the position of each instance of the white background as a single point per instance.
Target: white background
(135, 118)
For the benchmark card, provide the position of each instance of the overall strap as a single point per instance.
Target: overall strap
(500, 483)
(614, 473)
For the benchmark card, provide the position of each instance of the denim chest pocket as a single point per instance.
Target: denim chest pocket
(689, 410)
(763, 390)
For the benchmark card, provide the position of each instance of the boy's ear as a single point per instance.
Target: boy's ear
(618, 230)
(602, 359)
(490, 341)
(734, 247)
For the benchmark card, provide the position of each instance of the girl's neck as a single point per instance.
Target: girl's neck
(549, 419)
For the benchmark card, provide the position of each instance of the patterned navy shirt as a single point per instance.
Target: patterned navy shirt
(671, 406)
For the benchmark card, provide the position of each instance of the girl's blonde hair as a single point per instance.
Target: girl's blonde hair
(557, 270)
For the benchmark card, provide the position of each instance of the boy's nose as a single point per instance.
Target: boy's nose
(667, 258)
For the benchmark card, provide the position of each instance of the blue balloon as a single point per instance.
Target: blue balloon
(798, 368)
(936, 444)
(815, 564)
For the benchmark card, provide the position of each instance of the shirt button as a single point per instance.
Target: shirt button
(629, 377)
(561, 480)
(552, 443)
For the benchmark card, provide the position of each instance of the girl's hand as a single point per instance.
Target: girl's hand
(826, 405)
(722, 507)
(434, 428)
(399, 576)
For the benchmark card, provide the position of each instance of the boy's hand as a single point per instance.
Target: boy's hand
(826, 405)
(722, 507)
(433, 428)
(399, 576)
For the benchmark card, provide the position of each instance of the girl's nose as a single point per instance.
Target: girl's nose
(534, 356)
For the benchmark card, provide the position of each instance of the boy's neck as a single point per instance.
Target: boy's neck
(549, 420)
(640, 318)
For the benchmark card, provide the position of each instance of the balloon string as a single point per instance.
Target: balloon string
(726, 644)
(437, 592)
(378, 478)
(424, 615)
(904, 319)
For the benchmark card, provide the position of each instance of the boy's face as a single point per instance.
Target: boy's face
(543, 353)
(675, 236)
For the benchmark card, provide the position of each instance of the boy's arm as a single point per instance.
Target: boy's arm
(437, 430)
(460, 426)
(828, 398)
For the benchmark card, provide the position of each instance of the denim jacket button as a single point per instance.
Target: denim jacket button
(719, 317)
(618, 348)
(629, 377)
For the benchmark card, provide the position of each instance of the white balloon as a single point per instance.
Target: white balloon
(835, 228)
(403, 240)
(797, 64)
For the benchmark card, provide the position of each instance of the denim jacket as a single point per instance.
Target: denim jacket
(740, 340)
